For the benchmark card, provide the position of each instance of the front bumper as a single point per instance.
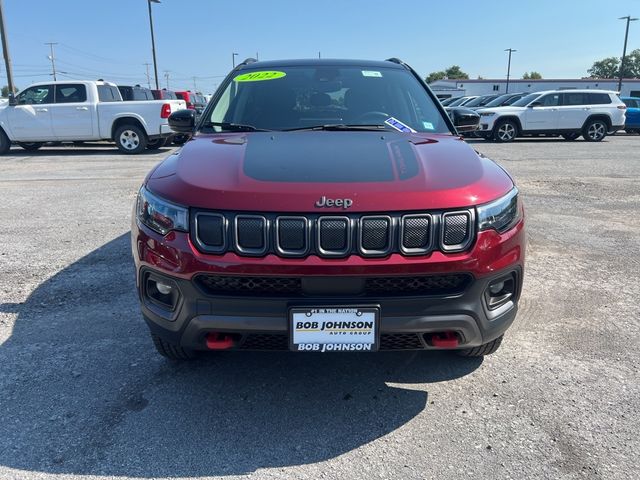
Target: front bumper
(261, 321)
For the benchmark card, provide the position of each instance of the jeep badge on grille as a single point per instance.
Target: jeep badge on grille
(334, 202)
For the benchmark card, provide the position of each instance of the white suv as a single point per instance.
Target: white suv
(570, 113)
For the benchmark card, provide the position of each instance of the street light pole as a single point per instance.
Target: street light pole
(52, 57)
(510, 50)
(7, 58)
(624, 49)
(153, 43)
(233, 59)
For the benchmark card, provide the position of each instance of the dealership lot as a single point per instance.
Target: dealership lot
(83, 391)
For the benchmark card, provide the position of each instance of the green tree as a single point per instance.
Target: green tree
(532, 76)
(610, 67)
(454, 72)
(5, 91)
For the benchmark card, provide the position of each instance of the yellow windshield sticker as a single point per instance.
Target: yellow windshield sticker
(259, 76)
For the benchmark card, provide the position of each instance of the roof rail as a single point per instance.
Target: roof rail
(395, 60)
(247, 61)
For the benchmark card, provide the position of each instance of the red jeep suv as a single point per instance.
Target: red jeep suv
(322, 206)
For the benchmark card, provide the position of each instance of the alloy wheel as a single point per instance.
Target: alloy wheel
(596, 131)
(129, 139)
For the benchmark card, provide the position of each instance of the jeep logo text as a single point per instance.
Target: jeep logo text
(337, 202)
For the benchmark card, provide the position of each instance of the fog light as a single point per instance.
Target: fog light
(162, 292)
(163, 288)
(494, 288)
(500, 292)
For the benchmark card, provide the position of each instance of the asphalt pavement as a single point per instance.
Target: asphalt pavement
(84, 394)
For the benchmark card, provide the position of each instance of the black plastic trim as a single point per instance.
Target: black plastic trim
(265, 236)
(460, 247)
(375, 252)
(199, 243)
(349, 234)
(307, 239)
(432, 234)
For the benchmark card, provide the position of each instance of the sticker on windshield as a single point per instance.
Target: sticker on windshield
(398, 125)
(427, 125)
(259, 76)
(371, 73)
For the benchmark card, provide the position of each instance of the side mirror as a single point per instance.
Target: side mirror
(464, 119)
(534, 104)
(183, 121)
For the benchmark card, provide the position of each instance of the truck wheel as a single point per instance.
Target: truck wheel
(172, 351)
(156, 143)
(505, 131)
(482, 350)
(130, 139)
(5, 143)
(595, 130)
(570, 136)
(30, 146)
(180, 139)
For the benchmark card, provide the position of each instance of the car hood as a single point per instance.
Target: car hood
(291, 171)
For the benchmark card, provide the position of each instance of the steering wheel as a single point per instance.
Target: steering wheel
(370, 115)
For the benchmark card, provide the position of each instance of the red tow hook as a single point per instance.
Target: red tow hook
(444, 340)
(219, 341)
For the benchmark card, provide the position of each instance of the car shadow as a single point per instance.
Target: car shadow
(82, 391)
(83, 150)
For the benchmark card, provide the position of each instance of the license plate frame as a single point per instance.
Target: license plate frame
(366, 314)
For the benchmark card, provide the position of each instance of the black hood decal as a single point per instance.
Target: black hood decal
(329, 157)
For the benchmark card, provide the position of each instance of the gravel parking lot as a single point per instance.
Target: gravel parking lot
(83, 392)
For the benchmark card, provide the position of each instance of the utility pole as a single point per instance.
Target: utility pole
(195, 88)
(166, 77)
(319, 55)
(52, 57)
(147, 65)
(624, 49)
(7, 57)
(153, 43)
(510, 50)
(233, 59)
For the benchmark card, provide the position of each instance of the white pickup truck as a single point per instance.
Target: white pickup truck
(83, 111)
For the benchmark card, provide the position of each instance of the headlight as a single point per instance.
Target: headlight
(501, 214)
(487, 114)
(161, 215)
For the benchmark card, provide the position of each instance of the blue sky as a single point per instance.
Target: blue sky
(110, 38)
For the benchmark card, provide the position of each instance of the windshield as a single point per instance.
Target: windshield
(299, 97)
(479, 101)
(457, 102)
(526, 100)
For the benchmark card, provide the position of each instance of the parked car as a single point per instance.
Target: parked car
(632, 123)
(461, 101)
(327, 205)
(480, 101)
(195, 101)
(505, 100)
(570, 113)
(84, 110)
(135, 92)
(164, 94)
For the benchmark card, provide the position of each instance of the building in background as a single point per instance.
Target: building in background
(458, 88)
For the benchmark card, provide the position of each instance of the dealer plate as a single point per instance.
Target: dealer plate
(334, 329)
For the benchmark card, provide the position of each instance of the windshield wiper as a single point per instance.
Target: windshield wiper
(235, 127)
(339, 126)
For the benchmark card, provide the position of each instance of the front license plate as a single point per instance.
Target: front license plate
(334, 329)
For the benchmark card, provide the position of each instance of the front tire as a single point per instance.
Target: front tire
(171, 350)
(505, 131)
(595, 130)
(30, 146)
(5, 143)
(482, 350)
(130, 139)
